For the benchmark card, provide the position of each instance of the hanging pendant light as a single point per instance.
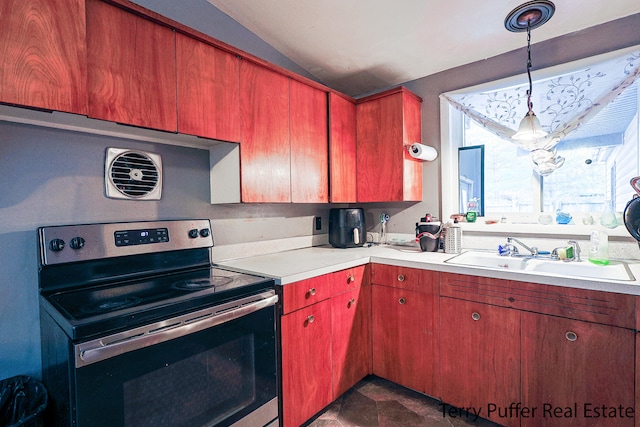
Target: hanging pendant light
(526, 17)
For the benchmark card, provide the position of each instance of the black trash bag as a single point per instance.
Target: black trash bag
(23, 401)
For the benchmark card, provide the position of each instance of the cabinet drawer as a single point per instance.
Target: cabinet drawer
(305, 292)
(608, 308)
(345, 280)
(405, 278)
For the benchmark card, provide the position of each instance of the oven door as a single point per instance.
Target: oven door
(214, 367)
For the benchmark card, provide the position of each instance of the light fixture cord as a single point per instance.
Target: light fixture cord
(530, 91)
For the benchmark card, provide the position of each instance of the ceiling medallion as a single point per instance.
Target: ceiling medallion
(530, 15)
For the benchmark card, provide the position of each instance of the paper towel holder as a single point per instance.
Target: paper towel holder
(422, 152)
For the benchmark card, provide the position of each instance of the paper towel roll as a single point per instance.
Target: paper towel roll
(422, 152)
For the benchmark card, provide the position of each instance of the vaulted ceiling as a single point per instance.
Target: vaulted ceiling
(360, 46)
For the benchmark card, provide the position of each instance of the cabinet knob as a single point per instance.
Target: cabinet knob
(351, 279)
(571, 336)
(351, 302)
(475, 315)
(311, 318)
(312, 291)
(402, 301)
(400, 277)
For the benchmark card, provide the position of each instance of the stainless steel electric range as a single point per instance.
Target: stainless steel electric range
(139, 329)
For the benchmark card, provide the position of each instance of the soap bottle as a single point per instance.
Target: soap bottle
(599, 248)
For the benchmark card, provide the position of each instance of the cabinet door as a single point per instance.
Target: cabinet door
(208, 90)
(309, 144)
(265, 157)
(350, 338)
(579, 367)
(480, 356)
(43, 53)
(131, 68)
(306, 362)
(342, 149)
(405, 347)
(386, 124)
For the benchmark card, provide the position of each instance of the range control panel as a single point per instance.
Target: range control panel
(73, 243)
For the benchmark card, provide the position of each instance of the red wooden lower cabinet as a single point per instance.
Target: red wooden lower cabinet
(480, 357)
(350, 338)
(306, 362)
(405, 337)
(576, 373)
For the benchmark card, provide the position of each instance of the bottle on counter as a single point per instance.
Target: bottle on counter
(599, 248)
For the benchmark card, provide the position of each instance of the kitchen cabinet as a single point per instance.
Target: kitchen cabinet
(309, 144)
(208, 90)
(306, 362)
(405, 329)
(265, 154)
(583, 368)
(43, 53)
(480, 356)
(325, 341)
(131, 68)
(342, 149)
(387, 123)
(350, 334)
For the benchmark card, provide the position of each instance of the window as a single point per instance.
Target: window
(595, 140)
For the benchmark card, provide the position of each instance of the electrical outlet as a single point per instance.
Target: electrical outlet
(318, 222)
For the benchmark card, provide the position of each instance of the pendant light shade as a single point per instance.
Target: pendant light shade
(529, 129)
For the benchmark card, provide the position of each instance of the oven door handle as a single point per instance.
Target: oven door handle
(114, 345)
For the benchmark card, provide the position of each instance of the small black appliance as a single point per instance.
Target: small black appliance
(347, 228)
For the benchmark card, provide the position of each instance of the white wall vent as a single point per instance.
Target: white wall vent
(131, 174)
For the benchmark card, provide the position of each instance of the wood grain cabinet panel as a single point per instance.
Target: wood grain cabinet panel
(265, 154)
(309, 144)
(342, 149)
(480, 356)
(405, 338)
(386, 124)
(43, 53)
(583, 368)
(131, 68)
(208, 90)
(306, 362)
(350, 338)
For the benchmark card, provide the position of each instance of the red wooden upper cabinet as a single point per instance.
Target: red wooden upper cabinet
(265, 157)
(342, 149)
(43, 53)
(132, 68)
(208, 90)
(309, 144)
(386, 124)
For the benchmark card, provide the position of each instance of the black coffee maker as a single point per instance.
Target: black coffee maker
(347, 228)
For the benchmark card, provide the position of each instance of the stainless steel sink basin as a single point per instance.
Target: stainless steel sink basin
(615, 270)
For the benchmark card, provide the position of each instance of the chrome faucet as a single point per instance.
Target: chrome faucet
(532, 249)
(576, 251)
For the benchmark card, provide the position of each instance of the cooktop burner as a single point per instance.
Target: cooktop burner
(199, 284)
(112, 304)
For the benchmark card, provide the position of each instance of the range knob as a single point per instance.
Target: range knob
(193, 233)
(205, 232)
(56, 245)
(77, 243)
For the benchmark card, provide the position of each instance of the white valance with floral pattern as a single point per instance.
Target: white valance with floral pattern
(564, 97)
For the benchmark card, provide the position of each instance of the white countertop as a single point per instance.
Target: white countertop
(294, 265)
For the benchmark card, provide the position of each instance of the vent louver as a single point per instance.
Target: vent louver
(135, 175)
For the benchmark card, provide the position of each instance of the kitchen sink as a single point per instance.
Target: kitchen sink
(615, 270)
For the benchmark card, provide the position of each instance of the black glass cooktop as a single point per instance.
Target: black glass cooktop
(100, 309)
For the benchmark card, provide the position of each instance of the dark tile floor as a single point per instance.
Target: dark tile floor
(375, 402)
